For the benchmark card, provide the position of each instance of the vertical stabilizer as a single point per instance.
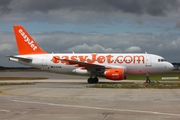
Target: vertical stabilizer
(25, 43)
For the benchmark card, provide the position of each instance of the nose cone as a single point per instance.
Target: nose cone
(169, 66)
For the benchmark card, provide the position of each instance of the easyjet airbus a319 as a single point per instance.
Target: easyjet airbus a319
(111, 66)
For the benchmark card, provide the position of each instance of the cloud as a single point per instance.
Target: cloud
(80, 11)
(133, 49)
(92, 49)
(5, 47)
(4, 9)
(120, 42)
(7, 43)
(152, 7)
(137, 14)
(177, 25)
(165, 44)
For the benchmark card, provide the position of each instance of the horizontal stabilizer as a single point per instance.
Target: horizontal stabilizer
(12, 58)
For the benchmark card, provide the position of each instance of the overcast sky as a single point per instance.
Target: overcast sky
(112, 26)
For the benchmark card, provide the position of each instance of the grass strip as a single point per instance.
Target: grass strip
(137, 86)
(14, 83)
(154, 76)
(22, 78)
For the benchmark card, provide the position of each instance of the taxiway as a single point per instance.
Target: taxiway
(59, 99)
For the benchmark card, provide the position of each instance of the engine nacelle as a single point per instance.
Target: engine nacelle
(115, 74)
(81, 71)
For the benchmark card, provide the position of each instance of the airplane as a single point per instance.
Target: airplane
(111, 66)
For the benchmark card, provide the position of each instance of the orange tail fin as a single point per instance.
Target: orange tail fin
(25, 43)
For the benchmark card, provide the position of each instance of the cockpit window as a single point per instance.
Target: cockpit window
(161, 60)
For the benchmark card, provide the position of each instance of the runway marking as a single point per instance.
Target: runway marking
(4, 110)
(99, 108)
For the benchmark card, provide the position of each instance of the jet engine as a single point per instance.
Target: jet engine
(115, 74)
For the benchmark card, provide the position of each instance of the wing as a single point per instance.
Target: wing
(95, 68)
(83, 64)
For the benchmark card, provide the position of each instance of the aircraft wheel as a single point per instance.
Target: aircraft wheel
(147, 78)
(90, 80)
(95, 80)
(148, 81)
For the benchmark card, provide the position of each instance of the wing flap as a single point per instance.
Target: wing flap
(82, 64)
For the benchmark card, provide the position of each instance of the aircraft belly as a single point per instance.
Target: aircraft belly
(137, 70)
(61, 68)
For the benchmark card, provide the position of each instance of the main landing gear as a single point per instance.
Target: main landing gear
(92, 80)
(147, 79)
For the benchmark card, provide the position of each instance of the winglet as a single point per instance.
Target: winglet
(25, 43)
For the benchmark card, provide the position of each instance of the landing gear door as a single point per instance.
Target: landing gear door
(44, 61)
(148, 61)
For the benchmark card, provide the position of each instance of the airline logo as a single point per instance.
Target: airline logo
(56, 59)
(110, 59)
(27, 40)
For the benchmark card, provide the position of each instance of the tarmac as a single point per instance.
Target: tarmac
(64, 97)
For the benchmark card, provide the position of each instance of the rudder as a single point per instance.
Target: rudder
(25, 43)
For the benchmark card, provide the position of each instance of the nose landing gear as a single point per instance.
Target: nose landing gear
(147, 79)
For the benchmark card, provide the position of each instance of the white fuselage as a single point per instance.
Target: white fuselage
(131, 63)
